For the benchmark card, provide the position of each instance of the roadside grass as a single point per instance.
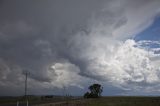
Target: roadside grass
(103, 101)
(32, 100)
(111, 101)
(125, 101)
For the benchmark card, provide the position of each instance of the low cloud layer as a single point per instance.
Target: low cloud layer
(73, 43)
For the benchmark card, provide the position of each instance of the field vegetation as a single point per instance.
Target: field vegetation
(102, 101)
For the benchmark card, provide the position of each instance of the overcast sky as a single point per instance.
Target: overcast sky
(74, 43)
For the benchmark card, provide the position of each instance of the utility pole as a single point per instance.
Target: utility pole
(64, 91)
(26, 74)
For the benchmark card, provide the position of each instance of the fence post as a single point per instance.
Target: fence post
(17, 103)
(27, 102)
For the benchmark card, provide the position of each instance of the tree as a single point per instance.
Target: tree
(95, 91)
(86, 95)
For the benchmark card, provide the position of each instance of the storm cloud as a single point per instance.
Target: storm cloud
(75, 42)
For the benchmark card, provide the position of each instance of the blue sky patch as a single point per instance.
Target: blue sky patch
(151, 33)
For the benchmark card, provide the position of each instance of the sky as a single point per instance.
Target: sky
(72, 44)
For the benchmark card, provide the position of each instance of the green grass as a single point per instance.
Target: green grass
(125, 101)
(31, 99)
(104, 101)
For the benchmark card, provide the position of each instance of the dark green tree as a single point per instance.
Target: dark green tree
(95, 91)
(86, 95)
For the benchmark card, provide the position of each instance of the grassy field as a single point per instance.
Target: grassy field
(104, 101)
(125, 101)
(112, 101)
(33, 100)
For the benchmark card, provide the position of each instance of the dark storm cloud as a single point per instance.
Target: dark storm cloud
(59, 39)
(36, 33)
(33, 34)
